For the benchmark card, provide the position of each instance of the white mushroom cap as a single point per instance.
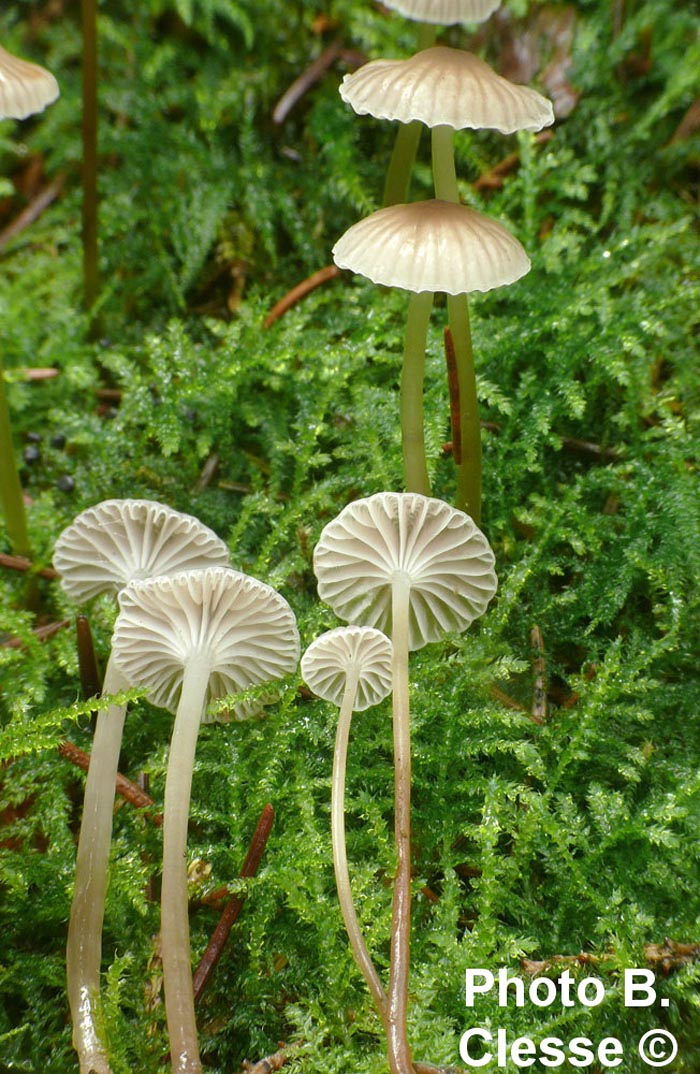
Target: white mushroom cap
(242, 630)
(25, 88)
(439, 549)
(445, 12)
(117, 541)
(445, 86)
(432, 246)
(329, 660)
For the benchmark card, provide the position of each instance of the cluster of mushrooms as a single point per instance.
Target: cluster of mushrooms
(438, 245)
(403, 569)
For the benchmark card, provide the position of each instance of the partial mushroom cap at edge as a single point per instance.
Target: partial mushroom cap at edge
(432, 246)
(444, 12)
(25, 88)
(331, 657)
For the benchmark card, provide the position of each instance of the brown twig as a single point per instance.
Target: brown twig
(41, 633)
(539, 710)
(233, 907)
(128, 790)
(330, 272)
(207, 473)
(40, 373)
(90, 680)
(269, 1064)
(568, 443)
(19, 563)
(493, 179)
(308, 78)
(453, 388)
(33, 210)
(667, 956)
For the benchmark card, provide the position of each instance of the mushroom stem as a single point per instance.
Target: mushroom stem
(469, 470)
(398, 174)
(10, 487)
(84, 949)
(89, 139)
(175, 930)
(412, 432)
(340, 861)
(397, 1002)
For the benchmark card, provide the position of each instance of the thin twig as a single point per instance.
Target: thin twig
(32, 211)
(233, 907)
(208, 470)
(39, 373)
(41, 633)
(128, 790)
(667, 956)
(269, 1064)
(308, 78)
(330, 272)
(20, 563)
(453, 388)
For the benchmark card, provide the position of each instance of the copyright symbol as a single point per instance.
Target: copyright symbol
(658, 1048)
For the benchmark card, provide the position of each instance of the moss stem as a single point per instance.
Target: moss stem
(412, 432)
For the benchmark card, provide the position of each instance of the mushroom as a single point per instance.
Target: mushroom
(424, 247)
(103, 549)
(25, 88)
(414, 568)
(448, 89)
(187, 638)
(350, 667)
(446, 12)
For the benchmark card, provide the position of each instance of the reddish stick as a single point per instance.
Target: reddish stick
(233, 906)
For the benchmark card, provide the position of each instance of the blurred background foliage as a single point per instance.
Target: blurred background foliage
(537, 834)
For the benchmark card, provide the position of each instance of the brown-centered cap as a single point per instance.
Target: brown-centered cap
(25, 88)
(329, 660)
(432, 246)
(438, 549)
(448, 87)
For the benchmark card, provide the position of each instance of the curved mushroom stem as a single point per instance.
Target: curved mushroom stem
(175, 930)
(398, 175)
(84, 950)
(412, 432)
(11, 498)
(340, 861)
(469, 471)
(397, 1002)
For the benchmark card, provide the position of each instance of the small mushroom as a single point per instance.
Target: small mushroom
(415, 568)
(350, 667)
(424, 247)
(103, 549)
(188, 638)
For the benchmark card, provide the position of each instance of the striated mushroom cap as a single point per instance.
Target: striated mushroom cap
(445, 12)
(25, 88)
(432, 246)
(329, 660)
(446, 558)
(117, 541)
(445, 86)
(242, 630)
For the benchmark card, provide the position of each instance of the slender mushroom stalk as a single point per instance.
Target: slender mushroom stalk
(188, 638)
(425, 247)
(25, 89)
(102, 550)
(416, 568)
(446, 89)
(350, 667)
